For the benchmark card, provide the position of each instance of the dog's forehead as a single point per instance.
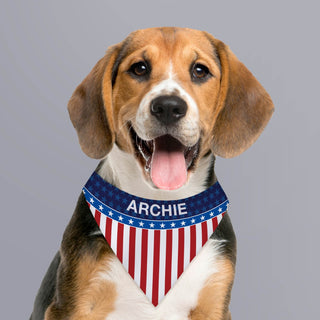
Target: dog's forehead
(168, 41)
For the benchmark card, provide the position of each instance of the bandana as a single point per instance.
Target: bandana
(155, 240)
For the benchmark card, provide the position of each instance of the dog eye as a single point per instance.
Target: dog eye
(200, 72)
(139, 69)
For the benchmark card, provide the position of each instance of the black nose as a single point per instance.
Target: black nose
(168, 109)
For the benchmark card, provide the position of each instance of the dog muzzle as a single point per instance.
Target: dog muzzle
(155, 240)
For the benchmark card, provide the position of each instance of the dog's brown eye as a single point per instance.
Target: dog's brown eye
(139, 69)
(200, 71)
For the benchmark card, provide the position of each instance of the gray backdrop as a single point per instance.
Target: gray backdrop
(48, 47)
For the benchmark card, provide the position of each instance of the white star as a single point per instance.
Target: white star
(183, 223)
(202, 218)
(110, 213)
(120, 218)
(211, 214)
(151, 225)
(162, 225)
(91, 200)
(131, 221)
(141, 224)
(219, 209)
(173, 224)
(193, 221)
(101, 207)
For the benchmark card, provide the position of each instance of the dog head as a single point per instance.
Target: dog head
(169, 96)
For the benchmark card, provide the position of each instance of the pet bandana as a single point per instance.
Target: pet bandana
(155, 240)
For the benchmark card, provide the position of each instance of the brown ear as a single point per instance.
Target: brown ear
(245, 106)
(88, 104)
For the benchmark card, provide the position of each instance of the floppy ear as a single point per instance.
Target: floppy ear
(245, 106)
(88, 104)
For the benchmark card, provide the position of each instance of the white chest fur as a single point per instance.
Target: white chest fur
(132, 304)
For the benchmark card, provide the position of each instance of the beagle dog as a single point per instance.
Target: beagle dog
(156, 109)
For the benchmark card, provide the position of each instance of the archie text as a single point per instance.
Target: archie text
(156, 210)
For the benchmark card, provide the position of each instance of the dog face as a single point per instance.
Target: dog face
(169, 96)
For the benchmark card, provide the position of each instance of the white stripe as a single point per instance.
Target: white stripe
(198, 237)
(92, 209)
(137, 262)
(219, 217)
(125, 256)
(175, 252)
(150, 264)
(162, 261)
(103, 224)
(114, 235)
(210, 228)
(186, 247)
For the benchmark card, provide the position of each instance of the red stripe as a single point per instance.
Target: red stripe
(97, 217)
(132, 248)
(108, 230)
(204, 232)
(168, 261)
(193, 242)
(144, 258)
(156, 261)
(214, 224)
(180, 251)
(120, 241)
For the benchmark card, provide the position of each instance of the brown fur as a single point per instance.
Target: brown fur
(92, 298)
(214, 298)
(244, 106)
(86, 108)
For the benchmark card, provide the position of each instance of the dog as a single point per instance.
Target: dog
(156, 109)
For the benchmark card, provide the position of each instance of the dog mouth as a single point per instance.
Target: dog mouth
(165, 159)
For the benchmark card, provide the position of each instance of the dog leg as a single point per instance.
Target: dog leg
(214, 298)
(83, 294)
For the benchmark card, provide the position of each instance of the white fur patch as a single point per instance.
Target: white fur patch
(132, 304)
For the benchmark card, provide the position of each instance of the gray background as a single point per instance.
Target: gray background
(47, 48)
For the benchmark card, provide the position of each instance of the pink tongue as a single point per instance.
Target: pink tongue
(168, 165)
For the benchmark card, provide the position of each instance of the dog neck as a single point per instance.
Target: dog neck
(122, 170)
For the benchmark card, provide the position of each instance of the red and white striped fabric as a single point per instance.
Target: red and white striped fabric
(155, 259)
